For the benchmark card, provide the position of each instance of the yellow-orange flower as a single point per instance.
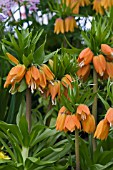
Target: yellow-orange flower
(48, 73)
(3, 155)
(109, 69)
(85, 57)
(106, 49)
(109, 116)
(12, 58)
(98, 7)
(107, 3)
(82, 111)
(53, 90)
(99, 63)
(15, 76)
(66, 81)
(59, 26)
(61, 118)
(43, 81)
(32, 78)
(88, 124)
(71, 123)
(84, 72)
(102, 130)
(84, 2)
(75, 6)
(70, 24)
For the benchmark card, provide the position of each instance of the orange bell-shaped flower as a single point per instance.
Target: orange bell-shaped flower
(48, 73)
(84, 2)
(66, 81)
(71, 123)
(15, 76)
(61, 118)
(106, 49)
(107, 3)
(70, 24)
(88, 124)
(102, 130)
(75, 6)
(99, 63)
(109, 69)
(32, 78)
(109, 116)
(54, 90)
(85, 57)
(82, 111)
(98, 7)
(59, 26)
(84, 72)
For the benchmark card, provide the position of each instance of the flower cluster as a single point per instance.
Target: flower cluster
(102, 63)
(66, 121)
(66, 25)
(100, 5)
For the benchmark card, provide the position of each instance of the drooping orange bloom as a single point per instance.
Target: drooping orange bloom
(85, 57)
(43, 81)
(88, 124)
(15, 75)
(54, 90)
(70, 24)
(12, 58)
(75, 6)
(59, 26)
(98, 7)
(84, 2)
(82, 111)
(61, 118)
(66, 81)
(106, 49)
(71, 123)
(32, 78)
(109, 69)
(109, 116)
(48, 73)
(84, 72)
(99, 63)
(107, 3)
(102, 130)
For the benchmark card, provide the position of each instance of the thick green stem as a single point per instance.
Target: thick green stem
(94, 106)
(28, 108)
(77, 150)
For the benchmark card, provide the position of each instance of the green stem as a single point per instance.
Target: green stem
(28, 108)
(77, 157)
(94, 106)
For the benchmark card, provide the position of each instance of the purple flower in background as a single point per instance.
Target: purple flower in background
(2, 17)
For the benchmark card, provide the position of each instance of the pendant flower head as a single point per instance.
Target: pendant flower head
(75, 6)
(98, 7)
(15, 75)
(99, 63)
(102, 130)
(109, 116)
(106, 49)
(85, 57)
(84, 2)
(70, 24)
(53, 90)
(107, 3)
(82, 111)
(84, 72)
(48, 73)
(59, 26)
(88, 124)
(12, 58)
(32, 78)
(109, 70)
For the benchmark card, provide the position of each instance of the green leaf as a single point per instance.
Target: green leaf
(47, 57)
(22, 86)
(39, 54)
(104, 102)
(23, 126)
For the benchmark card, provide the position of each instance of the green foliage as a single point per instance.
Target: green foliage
(36, 150)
